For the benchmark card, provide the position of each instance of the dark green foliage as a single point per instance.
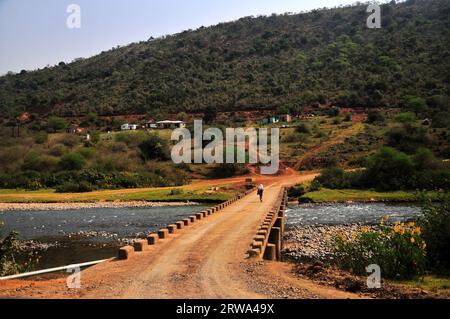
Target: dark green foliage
(303, 128)
(375, 116)
(407, 137)
(75, 187)
(154, 148)
(56, 123)
(228, 170)
(72, 161)
(86, 180)
(256, 63)
(15, 259)
(210, 114)
(297, 191)
(436, 233)
(390, 170)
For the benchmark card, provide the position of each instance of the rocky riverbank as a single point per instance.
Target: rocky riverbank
(307, 243)
(76, 206)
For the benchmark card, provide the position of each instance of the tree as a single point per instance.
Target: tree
(56, 123)
(415, 104)
(72, 162)
(154, 148)
(210, 114)
(390, 169)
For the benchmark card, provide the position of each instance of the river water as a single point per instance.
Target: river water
(75, 236)
(341, 214)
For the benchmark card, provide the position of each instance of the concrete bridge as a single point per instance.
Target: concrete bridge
(213, 254)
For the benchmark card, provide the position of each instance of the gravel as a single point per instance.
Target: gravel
(307, 243)
(72, 206)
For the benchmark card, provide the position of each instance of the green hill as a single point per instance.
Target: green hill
(264, 62)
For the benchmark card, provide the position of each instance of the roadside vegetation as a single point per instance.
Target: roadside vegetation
(13, 257)
(402, 250)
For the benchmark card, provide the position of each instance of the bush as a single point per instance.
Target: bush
(13, 258)
(228, 170)
(436, 233)
(154, 148)
(303, 128)
(375, 117)
(72, 162)
(297, 191)
(389, 170)
(332, 177)
(56, 123)
(75, 187)
(176, 191)
(315, 186)
(348, 117)
(407, 117)
(398, 249)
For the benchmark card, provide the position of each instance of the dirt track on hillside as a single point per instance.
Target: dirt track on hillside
(205, 260)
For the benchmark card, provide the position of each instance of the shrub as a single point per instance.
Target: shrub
(228, 170)
(407, 117)
(315, 186)
(390, 169)
(154, 148)
(332, 177)
(176, 191)
(398, 249)
(131, 139)
(415, 104)
(348, 117)
(75, 187)
(297, 191)
(303, 128)
(375, 117)
(436, 233)
(13, 258)
(72, 161)
(56, 123)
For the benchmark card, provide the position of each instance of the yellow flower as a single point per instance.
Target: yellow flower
(418, 230)
(413, 240)
(411, 224)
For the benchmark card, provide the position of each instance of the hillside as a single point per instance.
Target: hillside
(265, 62)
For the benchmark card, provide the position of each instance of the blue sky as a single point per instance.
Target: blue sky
(33, 33)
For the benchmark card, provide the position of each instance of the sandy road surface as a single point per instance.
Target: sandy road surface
(206, 260)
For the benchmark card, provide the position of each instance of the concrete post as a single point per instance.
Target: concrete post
(270, 252)
(275, 238)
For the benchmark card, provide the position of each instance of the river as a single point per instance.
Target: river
(75, 236)
(340, 214)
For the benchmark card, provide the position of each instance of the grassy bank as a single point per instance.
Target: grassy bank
(201, 195)
(439, 285)
(326, 195)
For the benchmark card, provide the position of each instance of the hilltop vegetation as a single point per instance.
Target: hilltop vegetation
(280, 61)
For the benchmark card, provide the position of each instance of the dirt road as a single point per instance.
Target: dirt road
(206, 260)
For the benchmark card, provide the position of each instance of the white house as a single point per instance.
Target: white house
(170, 124)
(128, 127)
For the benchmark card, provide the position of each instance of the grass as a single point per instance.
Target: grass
(344, 195)
(199, 194)
(439, 285)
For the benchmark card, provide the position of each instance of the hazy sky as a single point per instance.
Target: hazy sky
(33, 33)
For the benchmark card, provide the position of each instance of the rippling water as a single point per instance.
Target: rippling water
(338, 214)
(88, 234)
(123, 222)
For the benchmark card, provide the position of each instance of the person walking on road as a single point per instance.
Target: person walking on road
(261, 192)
